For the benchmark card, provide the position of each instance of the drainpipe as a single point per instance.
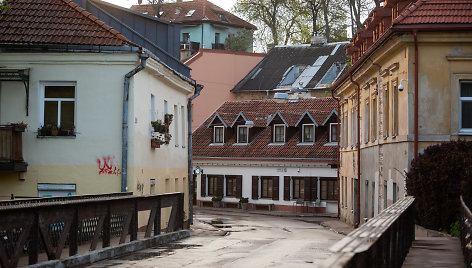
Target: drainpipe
(124, 145)
(358, 220)
(338, 152)
(415, 36)
(198, 89)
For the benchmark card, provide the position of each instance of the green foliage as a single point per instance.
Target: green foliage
(216, 198)
(437, 178)
(244, 200)
(4, 6)
(242, 41)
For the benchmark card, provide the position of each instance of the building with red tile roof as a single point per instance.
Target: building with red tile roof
(87, 95)
(408, 88)
(204, 24)
(288, 146)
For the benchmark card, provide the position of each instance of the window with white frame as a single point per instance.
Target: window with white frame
(465, 106)
(279, 133)
(308, 131)
(374, 118)
(386, 111)
(367, 122)
(243, 134)
(394, 108)
(218, 134)
(333, 132)
(176, 125)
(57, 107)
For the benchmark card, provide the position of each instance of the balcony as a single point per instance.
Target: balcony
(217, 46)
(193, 47)
(11, 149)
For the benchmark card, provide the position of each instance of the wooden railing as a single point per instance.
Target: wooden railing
(41, 230)
(11, 150)
(383, 241)
(466, 233)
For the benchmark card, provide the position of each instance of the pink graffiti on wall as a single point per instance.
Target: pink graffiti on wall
(107, 166)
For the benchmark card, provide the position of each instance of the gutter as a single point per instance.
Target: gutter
(198, 89)
(338, 152)
(124, 139)
(358, 218)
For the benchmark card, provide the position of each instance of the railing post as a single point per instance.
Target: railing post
(134, 222)
(180, 214)
(34, 240)
(74, 232)
(107, 227)
(157, 219)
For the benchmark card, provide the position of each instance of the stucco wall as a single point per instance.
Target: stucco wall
(219, 72)
(208, 35)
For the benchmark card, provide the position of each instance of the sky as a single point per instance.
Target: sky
(225, 4)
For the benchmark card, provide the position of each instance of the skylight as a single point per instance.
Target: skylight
(190, 13)
(222, 17)
(331, 74)
(292, 73)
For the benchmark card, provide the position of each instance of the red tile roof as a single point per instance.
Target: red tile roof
(436, 12)
(205, 11)
(55, 22)
(260, 135)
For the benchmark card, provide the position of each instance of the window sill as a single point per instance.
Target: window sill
(240, 144)
(464, 132)
(305, 143)
(276, 143)
(216, 144)
(56, 137)
(330, 144)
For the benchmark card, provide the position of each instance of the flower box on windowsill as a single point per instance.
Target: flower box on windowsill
(52, 131)
(155, 144)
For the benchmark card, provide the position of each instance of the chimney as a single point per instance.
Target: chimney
(318, 41)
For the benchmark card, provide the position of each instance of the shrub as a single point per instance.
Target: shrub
(244, 200)
(216, 198)
(437, 178)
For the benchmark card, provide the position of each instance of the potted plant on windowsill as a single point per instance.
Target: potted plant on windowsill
(244, 202)
(156, 142)
(19, 127)
(216, 201)
(159, 126)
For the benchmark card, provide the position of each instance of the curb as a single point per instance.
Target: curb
(111, 252)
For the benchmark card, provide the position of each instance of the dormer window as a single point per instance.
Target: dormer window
(219, 134)
(279, 133)
(308, 131)
(333, 132)
(243, 134)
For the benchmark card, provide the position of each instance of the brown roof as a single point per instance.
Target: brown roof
(436, 12)
(55, 22)
(429, 15)
(205, 11)
(261, 111)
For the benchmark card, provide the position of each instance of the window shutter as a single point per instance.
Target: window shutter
(239, 186)
(203, 185)
(220, 186)
(255, 187)
(287, 188)
(307, 189)
(275, 188)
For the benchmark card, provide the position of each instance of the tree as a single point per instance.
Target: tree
(156, 6)
(437, 178)
(358, 10)
(242, 41)
(4, 5)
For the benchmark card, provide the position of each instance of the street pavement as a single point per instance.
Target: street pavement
(234, 238)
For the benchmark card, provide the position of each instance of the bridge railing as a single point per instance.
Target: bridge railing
(39, 231)
(466, 233)
(383, 241)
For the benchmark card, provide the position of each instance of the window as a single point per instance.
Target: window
(465, 106)
(386, 111)
(328, 189)
(395, 108)
(394, 192)
(166, 111)
(342, 189)
(190, 13)
(308, 133)
(279, 133)
(182, 115)
(53, 189)
(374, 119)
(217, 38)
(385, 194)
(176, 125)
(366, 199)
(345, 129)
(153, 108)
(291, 74)
(373, 200)
(230, 186)
(58, 106)
(212, 186)
(333, 132)
(266, 187)
(367, 122)
(218, 134)
(298, 189)
(186, 38)
(243, 134)
(331, 74)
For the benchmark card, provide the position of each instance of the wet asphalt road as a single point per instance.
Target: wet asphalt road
(237, 239)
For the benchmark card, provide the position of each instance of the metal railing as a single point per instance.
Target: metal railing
(27, 229)
(466, 233)
(383, 241)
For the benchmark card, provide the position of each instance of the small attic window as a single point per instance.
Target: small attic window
(161, 12)
(177, 11)
(331, 74)
(221, 17)
(292, 73)
(256, 73)
(190, 13)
